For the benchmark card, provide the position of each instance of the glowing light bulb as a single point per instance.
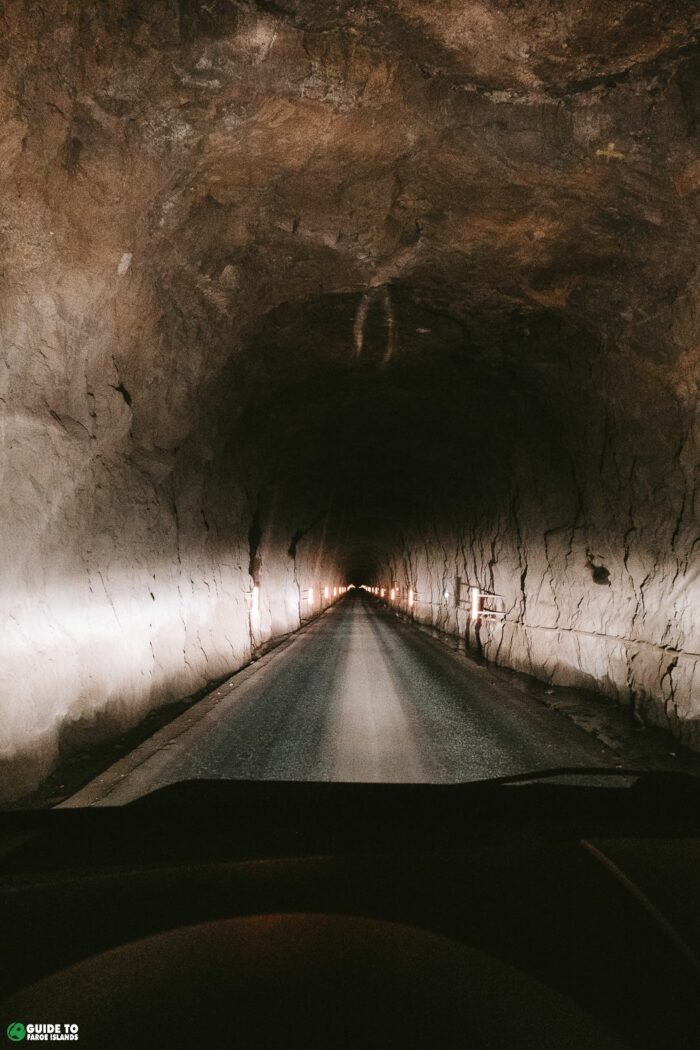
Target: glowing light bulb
(393, 593)
(326, 592)
(410, 597)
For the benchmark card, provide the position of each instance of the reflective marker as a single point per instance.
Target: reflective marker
(475, 602)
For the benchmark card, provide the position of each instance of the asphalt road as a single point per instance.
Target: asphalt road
(355, 696)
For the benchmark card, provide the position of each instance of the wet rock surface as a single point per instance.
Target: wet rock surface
(298, 292)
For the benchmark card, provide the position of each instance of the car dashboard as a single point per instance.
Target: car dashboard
(278, 914)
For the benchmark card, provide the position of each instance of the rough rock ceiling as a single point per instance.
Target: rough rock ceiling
(498, 161)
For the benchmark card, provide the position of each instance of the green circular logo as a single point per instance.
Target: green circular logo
(16, 1031)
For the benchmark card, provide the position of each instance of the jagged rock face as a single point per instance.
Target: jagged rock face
(299, 290)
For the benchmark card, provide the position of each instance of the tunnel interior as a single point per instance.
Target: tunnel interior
(396, 418)
(301, 295)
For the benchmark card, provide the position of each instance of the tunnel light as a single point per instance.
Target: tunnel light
(326, 592)
(382, 592)
(393, 593)
(335, 592)
(446, 595)
(256, 600)
(410, 597)
(475, 602)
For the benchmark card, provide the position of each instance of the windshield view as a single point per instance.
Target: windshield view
(333, 328)
(294, 339)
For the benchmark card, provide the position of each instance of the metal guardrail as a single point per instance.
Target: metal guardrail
(485, 609)
(486, 601)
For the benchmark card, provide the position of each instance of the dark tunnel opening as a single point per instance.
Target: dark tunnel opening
(391, 444)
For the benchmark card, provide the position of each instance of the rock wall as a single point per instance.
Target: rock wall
(123, 590)
(589, 537)
(126, 562)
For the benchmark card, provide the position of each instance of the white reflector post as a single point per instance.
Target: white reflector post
(475, 602)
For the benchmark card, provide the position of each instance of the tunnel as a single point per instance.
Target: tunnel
(301, 301)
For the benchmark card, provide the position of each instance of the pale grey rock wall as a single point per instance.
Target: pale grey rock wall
(125, 563)
(593, 543)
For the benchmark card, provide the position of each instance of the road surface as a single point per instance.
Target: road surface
(356, 696)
